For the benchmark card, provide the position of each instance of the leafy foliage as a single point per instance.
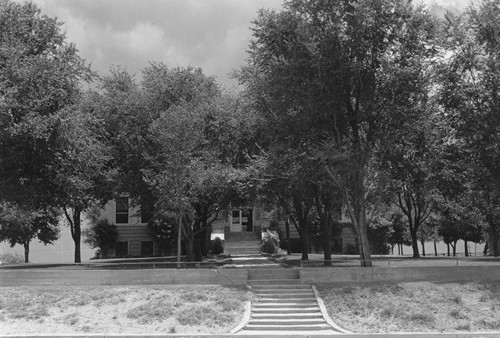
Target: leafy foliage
(20, 226)
(101, 234)
(270, 242)
(217, 246)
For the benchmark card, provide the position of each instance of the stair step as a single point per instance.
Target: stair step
(286, 304)
(286, 300)
(306, 327)
(271, 321)
(272, 277)
(276, 271)
(277, 287)
(286, 315)
(270, 282)
(285, 310)
(285, 295)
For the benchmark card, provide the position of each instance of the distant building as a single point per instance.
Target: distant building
(239, 227)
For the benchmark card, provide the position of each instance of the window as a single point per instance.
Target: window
(121, 249)
(146, 248)
(122, 210)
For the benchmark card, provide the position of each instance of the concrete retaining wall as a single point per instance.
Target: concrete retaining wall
(289, 334)
(401, 274)
(122, 277)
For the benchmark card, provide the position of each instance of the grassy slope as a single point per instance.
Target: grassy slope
(127, 309)
(415, 307)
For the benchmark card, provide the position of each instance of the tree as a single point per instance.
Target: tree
(178, 133)
(469, 93)
(315, 70)
(20, 226)
(285, 181)
(80, 175)
(399, 234)
(40, 74)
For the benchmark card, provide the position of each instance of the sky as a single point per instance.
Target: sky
(211, 34)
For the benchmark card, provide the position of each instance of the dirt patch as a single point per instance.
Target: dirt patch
(415, 307)
(121, 310)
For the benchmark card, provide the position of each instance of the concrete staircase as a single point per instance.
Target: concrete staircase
(242, 243)
(284, 304)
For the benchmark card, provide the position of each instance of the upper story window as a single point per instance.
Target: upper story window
(121, 210)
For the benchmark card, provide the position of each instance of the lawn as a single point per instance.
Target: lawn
(121, 310)
(415, 307)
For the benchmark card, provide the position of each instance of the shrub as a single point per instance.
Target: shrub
(217, 246)
(11, 258)
(163, 230)
(351, 249)
(270, 242)
(101, 234)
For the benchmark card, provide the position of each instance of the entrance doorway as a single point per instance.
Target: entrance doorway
(241, 220)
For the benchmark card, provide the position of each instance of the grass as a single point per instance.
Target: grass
(415, 307)
(121, 310)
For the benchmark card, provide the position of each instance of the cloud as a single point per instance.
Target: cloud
(212, 34)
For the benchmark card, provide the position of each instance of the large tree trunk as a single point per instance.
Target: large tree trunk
(357, 212)
(27, 252)
(202, 238)
(74, 221)
(288, 244)
(422, 242)
(189, 243)
(364, 246)
(179, 238)
(414, 243)
(448, 248)
(303, 242)
(327, 244)
(435, 248)
(454, 247)
(324, 210)
(466, 249)
(302, 210)
(77, 234)
(494, 240)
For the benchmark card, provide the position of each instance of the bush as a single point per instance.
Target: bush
(101, 234)
(9, 258)
(217, 246)
(270, 242)
(163, 230)
(351, 249)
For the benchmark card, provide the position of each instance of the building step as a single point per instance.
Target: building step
(242, 243)
(285, 310)
(271, 282)
(286, 296)
(277, 287)
(308, 321)
(286, 315)
(242, 236)
(287, 327)
(284, 292)
(277, 274)
(283, 305)
(275, 300)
